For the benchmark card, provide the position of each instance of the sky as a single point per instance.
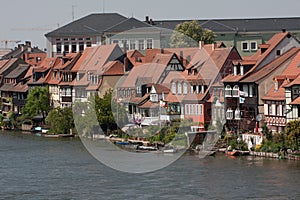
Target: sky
(30, 20)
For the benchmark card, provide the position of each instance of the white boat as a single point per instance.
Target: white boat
(170, 150)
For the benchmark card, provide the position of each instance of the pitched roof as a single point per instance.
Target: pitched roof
(269, 68)
(93, 24)
(276, 95)
(239, 25)
(18, 71)
(114, 68)
(94, 58)
(259, 57)
(152, 70)
(127, 24)
(7, 64)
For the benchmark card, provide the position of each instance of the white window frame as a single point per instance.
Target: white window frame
(132, 44)
(242, 46)
(235, 91)
(251, 42)
(179, 88)
(228, 90)
(149, 43)
(141, 46)
(185, 90)
(173, 88)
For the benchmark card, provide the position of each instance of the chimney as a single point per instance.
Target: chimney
(201, 44)
(151, 21)
(162, 51)
(181, 56)
(147, 19)
(283, 30)
(28, 43)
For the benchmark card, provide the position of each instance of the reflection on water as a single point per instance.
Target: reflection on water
(46, 168)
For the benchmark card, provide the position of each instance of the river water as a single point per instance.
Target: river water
(34, 167)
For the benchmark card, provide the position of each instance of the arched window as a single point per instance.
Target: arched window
(228, 91)
(185, 88)
(229, 114)
(179, 91)
(173, 88)
(235, 91)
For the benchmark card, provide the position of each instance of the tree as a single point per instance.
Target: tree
(293, 131)
(60, 120)
(38, 102)
(104, 111)
(189, 33)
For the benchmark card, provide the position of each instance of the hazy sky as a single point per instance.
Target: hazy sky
(19, 18)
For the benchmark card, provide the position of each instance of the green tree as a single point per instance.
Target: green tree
(189, 33)
(293, 131)
(104, 112)
(60, 120)
(38, 102)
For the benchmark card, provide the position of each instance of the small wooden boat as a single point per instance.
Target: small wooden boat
(233, 153)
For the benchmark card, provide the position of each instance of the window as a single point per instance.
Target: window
(68, 92)
(228, 91)
(58, 47)
(278, 113)
(185, 88)
(154, 97)
(88, 38)
(66, 47)
(138, 90)
(179, 88)
(187, 110)
(132, 44)
(173, 88)
(235, 91)
(270, 109)
(278, 52)
(229, 114)
(81, 47)
(149, 43)
(115, 42)
(74, 47)
(245, 46)
(253, 45)
(141, 44)
(66, 39)
(88, 44)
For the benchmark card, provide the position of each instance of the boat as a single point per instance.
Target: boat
(172, 150)
(122, 143)
(233, 153)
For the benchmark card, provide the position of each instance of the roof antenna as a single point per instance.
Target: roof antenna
(73, 14)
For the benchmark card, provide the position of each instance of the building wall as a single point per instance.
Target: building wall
(108, 82)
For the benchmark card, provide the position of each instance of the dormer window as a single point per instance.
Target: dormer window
(138, 90)
(235, 91)
(228, 91)
(154, 97)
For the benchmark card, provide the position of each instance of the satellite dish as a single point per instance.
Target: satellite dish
(259, 117)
